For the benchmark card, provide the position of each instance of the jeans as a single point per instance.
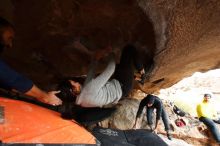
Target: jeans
(163, 115)
(212, 127)
(124, 71)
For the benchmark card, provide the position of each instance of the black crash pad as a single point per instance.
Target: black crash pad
(139, 137)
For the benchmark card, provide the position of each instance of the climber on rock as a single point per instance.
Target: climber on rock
(115, 82)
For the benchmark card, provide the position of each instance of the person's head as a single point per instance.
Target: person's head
(207, 97)
(150, 100)
(6, 34)
(70, 89)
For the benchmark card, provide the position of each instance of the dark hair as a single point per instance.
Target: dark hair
(150, 99)
(66, 92)
(4, 23)
(69, 110)
(207, 95)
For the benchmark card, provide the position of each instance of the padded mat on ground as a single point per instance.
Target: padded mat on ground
(139, 137)
(29, 123)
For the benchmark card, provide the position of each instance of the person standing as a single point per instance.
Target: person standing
(152, 102)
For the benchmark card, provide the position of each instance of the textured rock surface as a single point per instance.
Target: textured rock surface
(192, 36)
(45, 32)
(182, 36)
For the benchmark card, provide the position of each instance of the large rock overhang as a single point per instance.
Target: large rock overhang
(181, 36)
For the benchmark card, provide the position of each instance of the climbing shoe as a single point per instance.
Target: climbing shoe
(169, 136)
(143, 78)
(145, 73)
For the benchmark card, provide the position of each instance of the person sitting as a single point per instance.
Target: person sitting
(206, 114)
(152, 102)
(12, 80)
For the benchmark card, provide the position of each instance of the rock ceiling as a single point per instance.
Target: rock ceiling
(181, 36)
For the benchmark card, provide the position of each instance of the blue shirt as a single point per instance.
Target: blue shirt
(10, 79)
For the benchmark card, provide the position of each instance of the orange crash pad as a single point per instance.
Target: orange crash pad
(29, 123)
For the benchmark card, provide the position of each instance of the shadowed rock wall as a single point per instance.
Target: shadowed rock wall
(45, 31)
(190, 33)
(182, 36)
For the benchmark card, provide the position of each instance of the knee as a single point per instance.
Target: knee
(213, 127)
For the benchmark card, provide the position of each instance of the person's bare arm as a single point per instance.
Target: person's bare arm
(137, 123)
(95, 59)
(45, 97)
(155, 128)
